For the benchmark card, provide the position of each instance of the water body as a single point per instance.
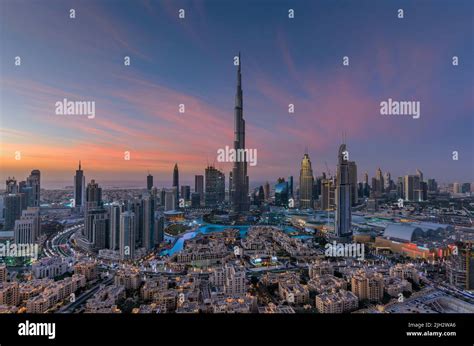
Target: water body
(210, 228)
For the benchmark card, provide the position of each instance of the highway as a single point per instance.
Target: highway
(59, 245)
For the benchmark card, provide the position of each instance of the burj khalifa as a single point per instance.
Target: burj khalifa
(240, 181)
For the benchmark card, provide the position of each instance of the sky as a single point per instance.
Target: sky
(190, 61)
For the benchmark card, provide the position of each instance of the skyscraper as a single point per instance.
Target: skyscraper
(215, 186)
(79, 188)
(27, 191)
(149, 182)
(419, 174)
(11, 185)
(13, 209)
(114, 214)
(290, 187)
(159, 228)
(148, 230)
(387, 182)
(127, 235)
(379, 183)
(343, 196)
(306, 183)
(266, 190)
(366, 186)
(93, 211)
(186, 192)
(34, 181)
(170, 199)
(239, 190)
(281, 193)
(93, 194)
(411, 187)
(176, 184)
(199, 185)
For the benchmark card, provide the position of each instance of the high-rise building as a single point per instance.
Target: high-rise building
(24, 231)
(101, 230)
(432, 185)
(353, 182)
(239, 191)
(290, 187)
(13, 207)
(195, 200)
(215, 187)
(114, 214)
(95, 224)
(456, 187)
(127, 235)
(28, 228)
(419, 174)
(465, 188)
(11, 186)
(159, 228)
(266, 191)
(149, 182)
(378, 183)
(148, 230)
(34, 181)
(176, 184)
(96, 227)
(401, 187)
(343, 195)
(170, 199)
(366, 185)
(93, 195)
(199, 186)
(27, 191)
(135, 206)
(186, 192)
(411, 185)
(79, 188)
(318, 187)
(387, 182)
(306, 183)
(259, 196)
(281, 193)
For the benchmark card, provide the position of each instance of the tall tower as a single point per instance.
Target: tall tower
(127, 235)
(306, 183)
(79, 188)
(176, 183)
(34, 180)
(240, 181)
(149, 182)
(343, 195)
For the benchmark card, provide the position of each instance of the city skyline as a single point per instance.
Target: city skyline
(137, 106)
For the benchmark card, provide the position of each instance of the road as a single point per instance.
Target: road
(59, 245)
(83, 297)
